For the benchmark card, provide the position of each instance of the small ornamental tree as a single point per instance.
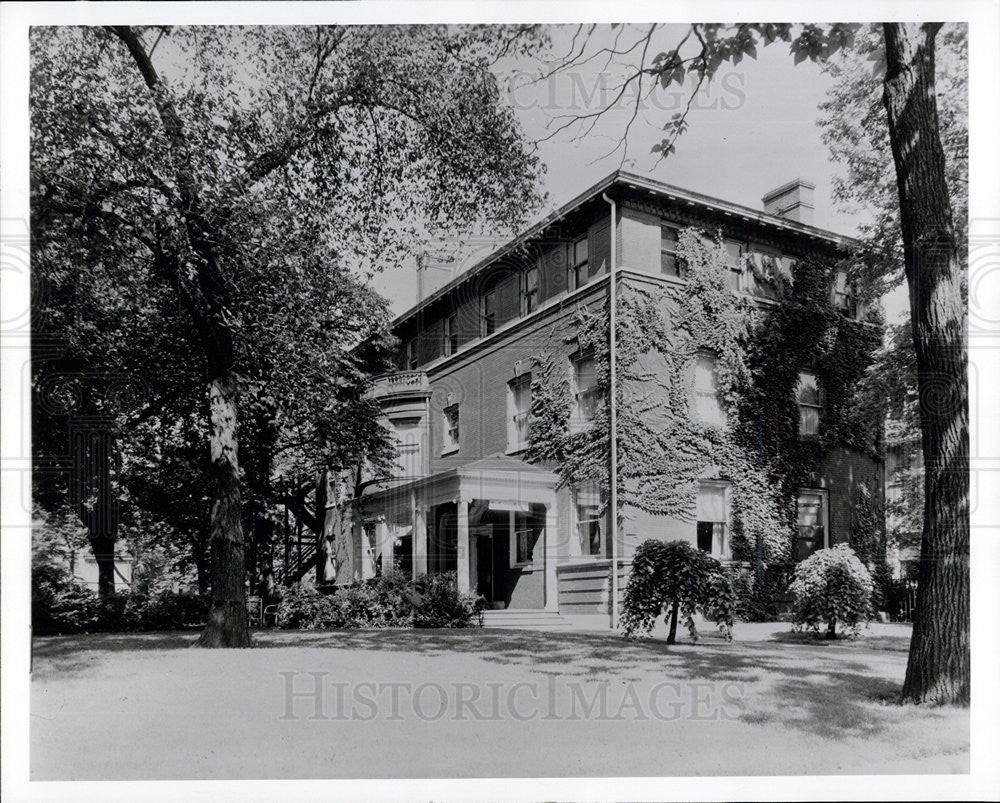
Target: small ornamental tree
(831, 585)
(676, 579)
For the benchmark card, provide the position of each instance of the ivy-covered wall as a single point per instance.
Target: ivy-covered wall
(664, 451)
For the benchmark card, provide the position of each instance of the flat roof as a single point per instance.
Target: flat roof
(636, 182)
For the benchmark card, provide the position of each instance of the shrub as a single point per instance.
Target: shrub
(830, 586)
(440, 604)
(169, 610)
(391, 600)
(761, 601)
(305, 608)
(364, 606)
(679, 580)
(61, 605)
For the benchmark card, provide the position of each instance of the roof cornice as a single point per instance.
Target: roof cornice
(621, 178)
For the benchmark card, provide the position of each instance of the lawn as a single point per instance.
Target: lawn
(481, 703)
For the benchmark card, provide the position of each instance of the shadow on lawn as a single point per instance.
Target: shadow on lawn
(825, 688)
(820, 687)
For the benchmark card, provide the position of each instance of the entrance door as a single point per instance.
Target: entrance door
(484, 562)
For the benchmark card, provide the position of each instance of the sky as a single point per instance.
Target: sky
(754, 129)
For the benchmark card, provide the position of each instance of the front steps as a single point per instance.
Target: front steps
(526, 620)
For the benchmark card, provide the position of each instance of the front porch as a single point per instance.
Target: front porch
(494, 522)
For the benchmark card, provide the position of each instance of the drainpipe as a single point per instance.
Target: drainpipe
(613, 490)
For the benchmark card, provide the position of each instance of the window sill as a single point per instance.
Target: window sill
(516, 449)
(448, 451)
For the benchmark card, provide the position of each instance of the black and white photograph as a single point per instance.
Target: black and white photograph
(454, 401)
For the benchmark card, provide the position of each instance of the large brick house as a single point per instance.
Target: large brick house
(464, 498)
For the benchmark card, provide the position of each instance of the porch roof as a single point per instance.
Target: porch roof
(504, 462)
(496, 476)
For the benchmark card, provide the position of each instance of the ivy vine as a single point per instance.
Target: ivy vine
(663, 449)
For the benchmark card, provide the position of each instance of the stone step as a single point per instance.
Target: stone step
(525, 620)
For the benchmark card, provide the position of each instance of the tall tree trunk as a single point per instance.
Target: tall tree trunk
(227, 619)
(938, 670)
(96, 501)
(209, 303)
(203, 568)
(104, 553)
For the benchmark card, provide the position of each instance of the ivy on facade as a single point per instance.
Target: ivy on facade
(664, 450)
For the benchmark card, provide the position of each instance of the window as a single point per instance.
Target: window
(584, 391)
(450, 415)
(734, 264)
(525, 530)
(372, 546)
(812, 523)
(451, 334)
(770, 269)
(810, 400)
(411, 354)
(670, 264)
(489, 312)
(529, 295)
(524, 545)
(578, 265)
(842, 297)
(589, 522)
(518, 412)
(708, 410)
(407, 431)
(712, 520)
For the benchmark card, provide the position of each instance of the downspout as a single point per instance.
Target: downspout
(613, 490)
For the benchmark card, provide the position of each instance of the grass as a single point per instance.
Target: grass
(481, 703)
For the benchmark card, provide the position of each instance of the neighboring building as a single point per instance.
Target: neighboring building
(904, 463)
(465, 499)
(83, 567)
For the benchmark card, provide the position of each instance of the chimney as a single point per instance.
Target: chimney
(793, 200)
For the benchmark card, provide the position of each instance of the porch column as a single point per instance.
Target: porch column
(462, 556)
(386, 543)
(419, 539)
(574, 548)
(551, 551)
(357, 548)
